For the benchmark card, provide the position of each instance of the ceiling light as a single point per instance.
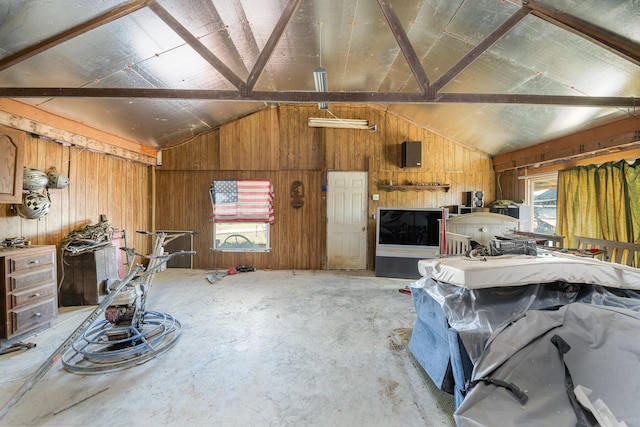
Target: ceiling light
(315, 122)
(320, 80)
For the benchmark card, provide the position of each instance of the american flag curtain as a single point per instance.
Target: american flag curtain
(242, 200)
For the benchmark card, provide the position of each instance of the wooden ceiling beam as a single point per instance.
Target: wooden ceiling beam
(405, 46)
(525, 99)
(197, 45)
(76, 31)
(622, 134)
(611, 41)
(62, 130)
(314, 97)
(480, 48)
(271, 44)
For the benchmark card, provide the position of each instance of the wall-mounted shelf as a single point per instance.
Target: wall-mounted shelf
(439, 187)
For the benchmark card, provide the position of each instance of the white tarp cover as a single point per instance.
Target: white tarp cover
(477, 313)
(604, 356)
(519, 270)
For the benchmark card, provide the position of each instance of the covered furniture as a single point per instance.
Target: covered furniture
(577, 365)
(460, 301)
(482, 226)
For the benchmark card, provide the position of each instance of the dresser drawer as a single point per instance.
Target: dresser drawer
(26, 262)
(31, 316)
(28, 290)
(31, 295)
(27, 278)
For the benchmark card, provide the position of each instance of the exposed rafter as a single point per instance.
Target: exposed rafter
(610, 41)
(480, 48)
(242, 90)
(405, 45)
(71, 33)
(429, 93)
(197, 45)
(313, 97)
(281, 25)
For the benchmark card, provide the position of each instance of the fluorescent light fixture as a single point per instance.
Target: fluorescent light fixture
(315, 122)
(320, 80)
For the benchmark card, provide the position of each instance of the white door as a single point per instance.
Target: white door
(347, 221)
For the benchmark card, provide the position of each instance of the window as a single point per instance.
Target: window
(242, 215)
(542, 196)
(241, 236)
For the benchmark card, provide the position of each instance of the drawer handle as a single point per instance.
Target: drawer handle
(37, 294)
(37, 261)
(37, 314)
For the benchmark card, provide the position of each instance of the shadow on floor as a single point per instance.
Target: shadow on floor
(445, 401)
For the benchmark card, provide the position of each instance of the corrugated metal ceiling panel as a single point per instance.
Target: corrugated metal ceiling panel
(351, 39)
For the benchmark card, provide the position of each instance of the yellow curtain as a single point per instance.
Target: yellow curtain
(600, 201)
(633, 184)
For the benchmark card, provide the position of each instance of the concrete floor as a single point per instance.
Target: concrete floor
(266, 348)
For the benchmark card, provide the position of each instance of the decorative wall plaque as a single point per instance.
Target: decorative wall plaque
(297, 194)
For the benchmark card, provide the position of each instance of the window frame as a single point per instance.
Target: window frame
(530, 181)
(266, 248)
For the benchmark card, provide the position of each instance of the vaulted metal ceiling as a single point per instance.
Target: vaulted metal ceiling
(497, 75)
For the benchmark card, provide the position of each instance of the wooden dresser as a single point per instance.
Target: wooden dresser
(85, 275)
(28, 290)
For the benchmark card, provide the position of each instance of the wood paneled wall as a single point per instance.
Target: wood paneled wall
(610, 142)
(509, 186)
(99, 184)
(277, 144)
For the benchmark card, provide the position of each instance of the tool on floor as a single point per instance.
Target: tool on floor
(405, 290)
(80, 401)
(129, 334)
(57, 354)
(167, 328)
(16, 347)
(216, 276)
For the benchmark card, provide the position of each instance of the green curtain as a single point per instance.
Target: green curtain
(633, 184)
(600, 201)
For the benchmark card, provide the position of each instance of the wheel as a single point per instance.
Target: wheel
(236, 240)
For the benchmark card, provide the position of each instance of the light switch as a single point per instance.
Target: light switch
(375, 196)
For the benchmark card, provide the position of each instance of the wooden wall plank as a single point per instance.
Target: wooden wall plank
(117, 196)
(54, 220)
(227, 141)
(286, 136)
(98, 184)
(92, 189)
(301, 153)
(273, 144)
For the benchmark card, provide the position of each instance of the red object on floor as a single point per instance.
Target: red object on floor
(232, 270)
(405, 290)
